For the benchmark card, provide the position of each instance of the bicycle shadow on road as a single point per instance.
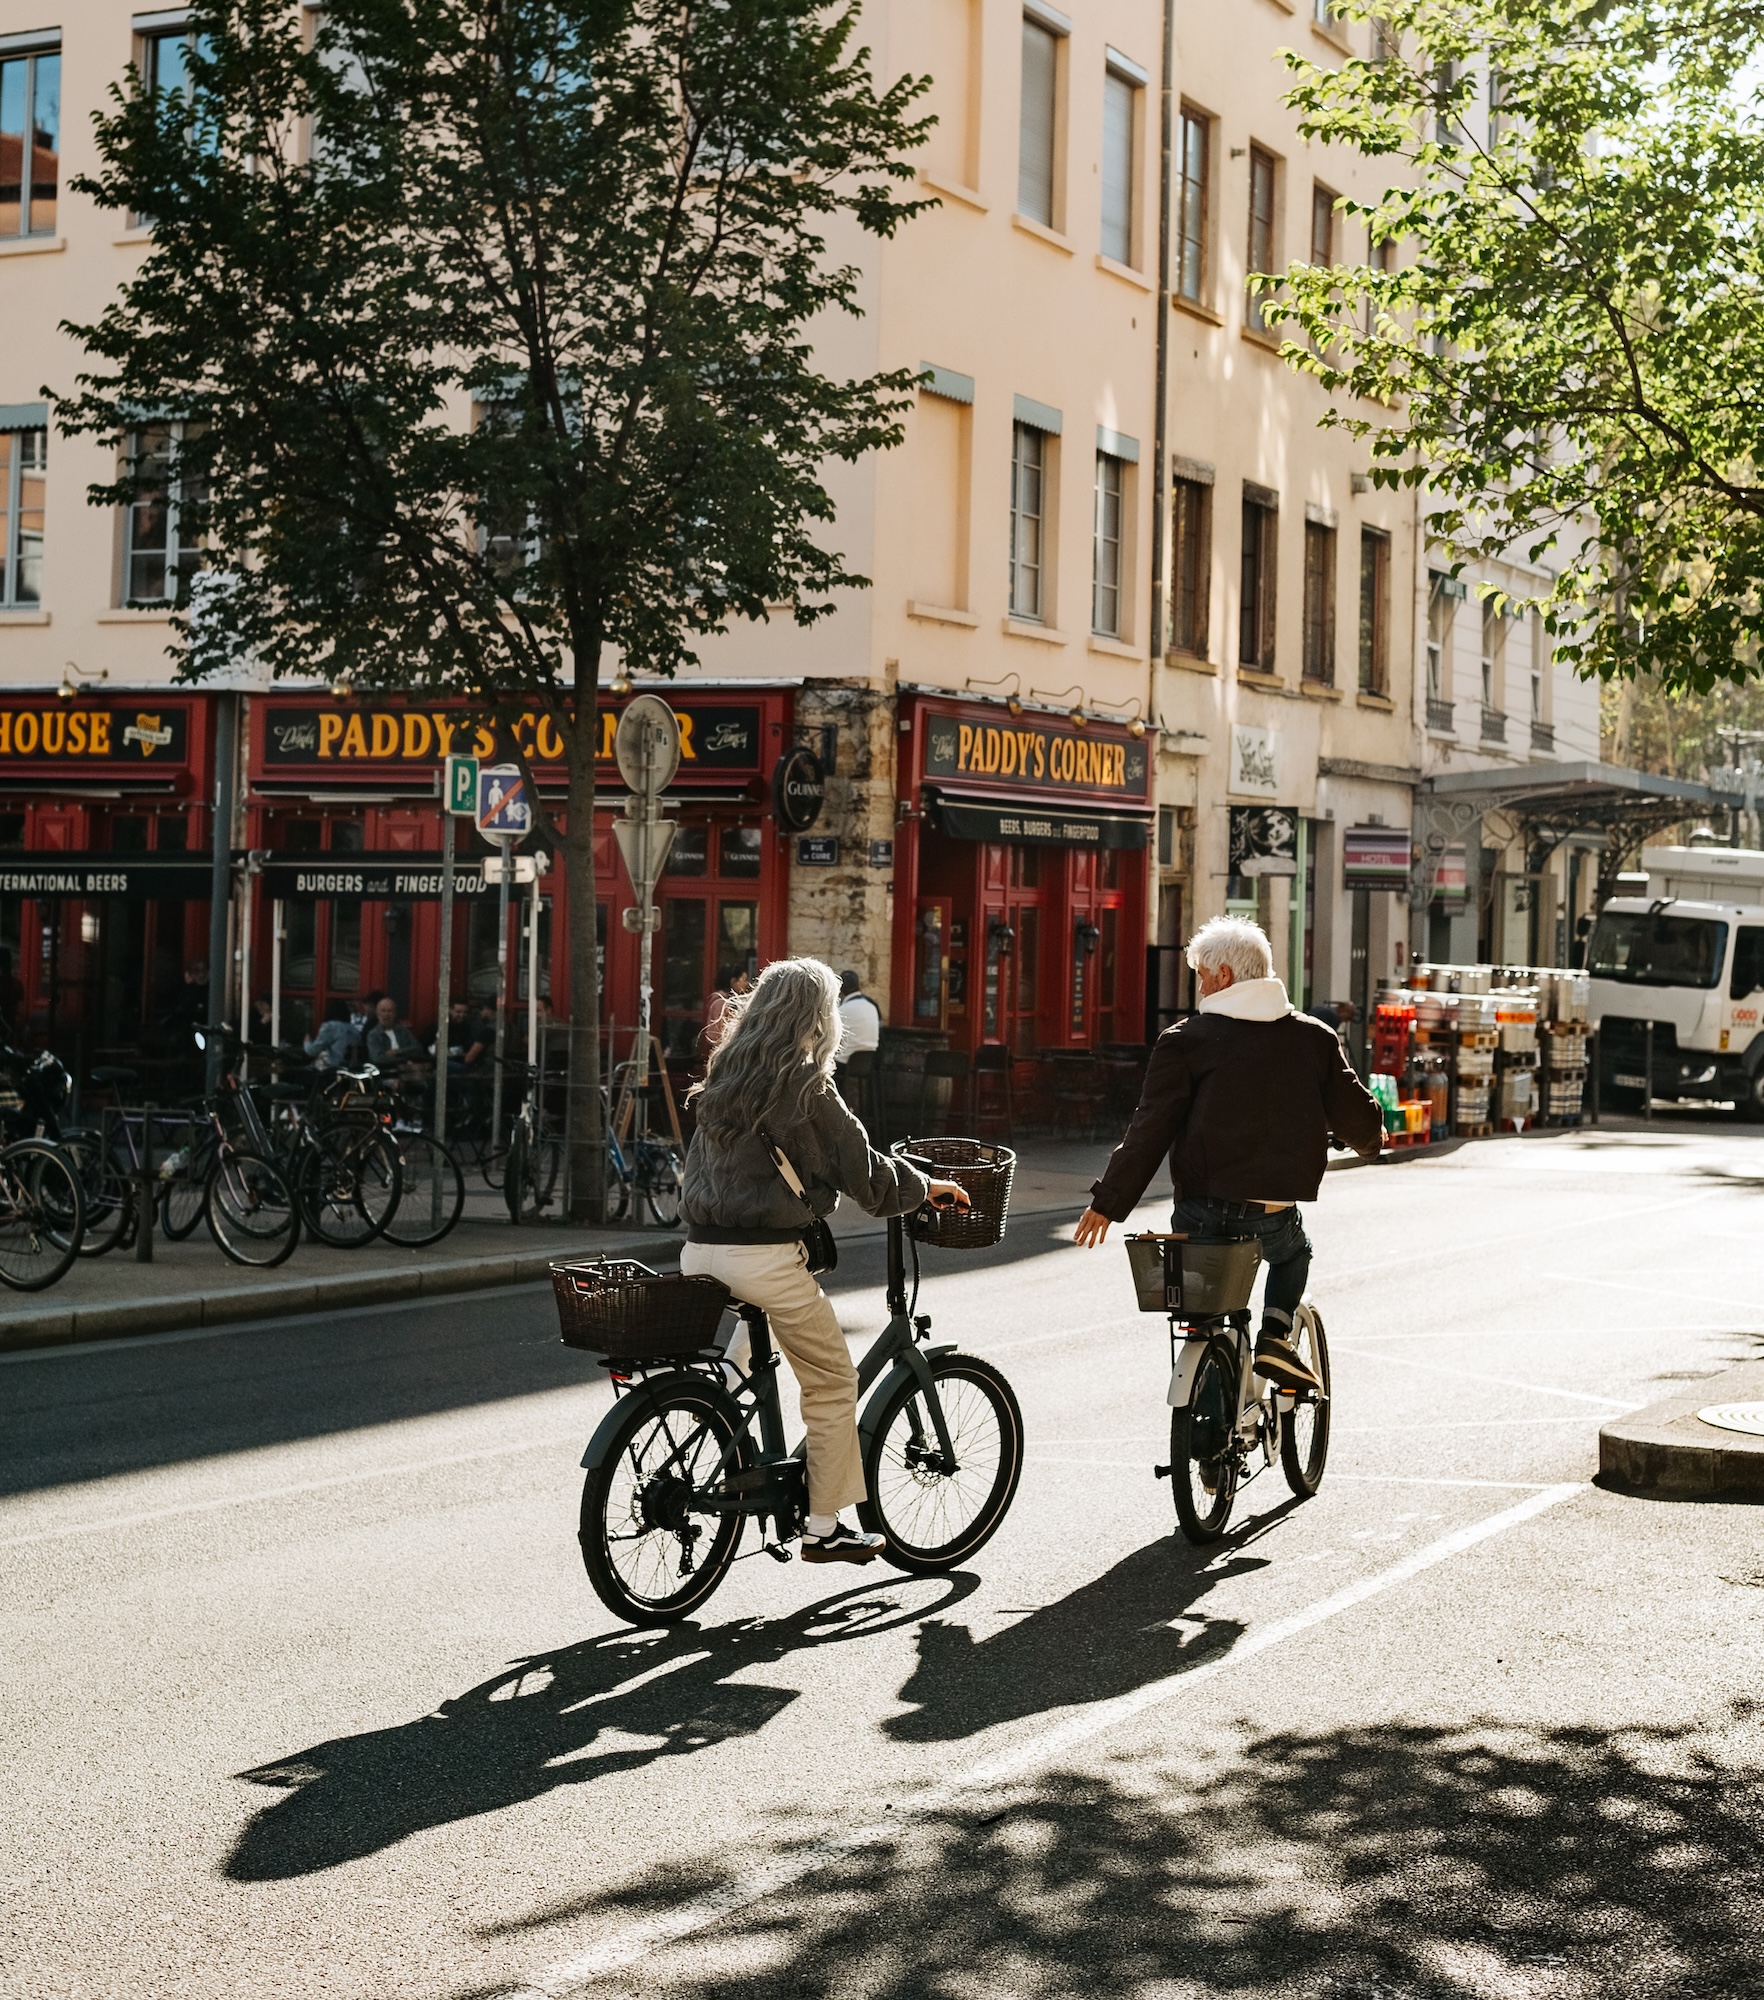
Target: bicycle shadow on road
(1135, 1623)
(1407, 1861)
(537, 1725)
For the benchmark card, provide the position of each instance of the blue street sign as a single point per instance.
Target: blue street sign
(503, 807)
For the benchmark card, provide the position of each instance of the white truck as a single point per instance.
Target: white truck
(1677, 975)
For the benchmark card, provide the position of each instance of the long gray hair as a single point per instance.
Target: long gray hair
(775, 1051)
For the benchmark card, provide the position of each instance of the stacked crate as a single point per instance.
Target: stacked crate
(1477, 1041)
(1562, 1076)
(1516, 1058)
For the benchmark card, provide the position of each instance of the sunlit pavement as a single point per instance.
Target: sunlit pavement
(306, 1693)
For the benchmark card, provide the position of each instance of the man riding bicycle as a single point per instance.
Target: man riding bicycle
(1243, 1096)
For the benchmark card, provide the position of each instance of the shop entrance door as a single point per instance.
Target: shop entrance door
(931, 963)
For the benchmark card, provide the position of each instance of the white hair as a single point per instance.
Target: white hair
(1232, 941)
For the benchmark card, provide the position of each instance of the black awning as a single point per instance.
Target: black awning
(1034, 823)
(145, 877)
(375, 878)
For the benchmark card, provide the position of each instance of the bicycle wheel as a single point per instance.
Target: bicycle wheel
(110, 1197)
(431, 1192)
(933, 1515)
(1304, 1429)
(643, 1551)
(1202, 1468)
(185, 1194)
(42, 1212)
(535, 1166)
(349, 1183)
(658, 1176)
(251, 1211)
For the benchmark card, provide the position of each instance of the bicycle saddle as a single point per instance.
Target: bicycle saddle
(107, 1074)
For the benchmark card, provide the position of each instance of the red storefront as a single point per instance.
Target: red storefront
(104, 870)
(351, 789)
(1021, 877)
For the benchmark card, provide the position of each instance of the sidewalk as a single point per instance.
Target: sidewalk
(1668, 1449)
(191, 1284)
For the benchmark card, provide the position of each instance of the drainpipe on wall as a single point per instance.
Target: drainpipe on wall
(1166, 141)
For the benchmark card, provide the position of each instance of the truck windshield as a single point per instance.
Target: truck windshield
(1641, 949)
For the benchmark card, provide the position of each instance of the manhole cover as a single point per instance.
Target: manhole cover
(1746, 1417)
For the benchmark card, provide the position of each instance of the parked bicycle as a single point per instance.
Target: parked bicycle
(1226, 1424)
(42, 1215)
(694, 1447)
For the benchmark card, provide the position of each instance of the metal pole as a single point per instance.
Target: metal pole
(645, 964)
(245, 1017)
(535, 1055)
(1648, 1075)
(501, 994)
(1295, 949)
(446, 974)
(220, 876)
(277, 934)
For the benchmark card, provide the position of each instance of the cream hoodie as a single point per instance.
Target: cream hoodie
(1250, 1000)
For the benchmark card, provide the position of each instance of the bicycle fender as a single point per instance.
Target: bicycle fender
(913, 1362)
(646, 1391)
(1182, 1375)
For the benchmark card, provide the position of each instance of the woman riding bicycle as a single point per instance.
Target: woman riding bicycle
(771, 1074)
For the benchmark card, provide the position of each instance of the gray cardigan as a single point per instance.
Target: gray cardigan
(734, 1194)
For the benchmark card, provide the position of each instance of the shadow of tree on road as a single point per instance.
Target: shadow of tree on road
(615, 1703)
(1406, 1862)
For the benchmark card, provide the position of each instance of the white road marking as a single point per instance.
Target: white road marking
(112, 1522)
(757, 1881)
(1493, 1381)
(1555, 1332)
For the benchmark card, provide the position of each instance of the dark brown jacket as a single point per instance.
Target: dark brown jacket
(1244, 1109)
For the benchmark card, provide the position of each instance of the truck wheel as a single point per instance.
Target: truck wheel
(1752, 1095)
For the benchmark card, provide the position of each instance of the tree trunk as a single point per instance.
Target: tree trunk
(585, 1124)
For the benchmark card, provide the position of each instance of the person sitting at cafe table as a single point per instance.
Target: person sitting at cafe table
(337, 1042)
(392, 1043)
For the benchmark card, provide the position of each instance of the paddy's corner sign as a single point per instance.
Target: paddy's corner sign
(1030, 756)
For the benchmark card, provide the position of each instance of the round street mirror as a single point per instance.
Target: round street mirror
(646, 745)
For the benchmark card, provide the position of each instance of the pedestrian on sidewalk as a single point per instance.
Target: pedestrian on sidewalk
(1243, 1097)
(768, 1096)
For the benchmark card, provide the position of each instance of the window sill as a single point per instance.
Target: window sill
(31, 246)
(1381, 702)
(1319, 690)
(1255, 678)
(1196, 310)
(1269, 343)
(1333, 34)
(1023, 628)
(1126, 273)
(133, 614)
(967, 196)
(130, 237)
(1041, 231)
(940, 614)
(1191, 663)
(1117, 649)
(24, 617)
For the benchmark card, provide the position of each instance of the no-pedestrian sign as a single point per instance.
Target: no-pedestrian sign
(462, 786)
(504, 811)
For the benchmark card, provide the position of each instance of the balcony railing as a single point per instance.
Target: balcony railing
(1494, 726)
(1543, 736)
(1440, 714)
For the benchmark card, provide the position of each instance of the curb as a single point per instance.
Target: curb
(1667, 1449)
(291, 1298)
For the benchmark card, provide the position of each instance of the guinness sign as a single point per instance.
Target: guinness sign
(799, 790)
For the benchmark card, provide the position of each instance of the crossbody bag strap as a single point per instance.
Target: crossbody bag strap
(792, 1180)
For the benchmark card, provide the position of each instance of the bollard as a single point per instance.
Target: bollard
(145, 1191)
(1648, 1074)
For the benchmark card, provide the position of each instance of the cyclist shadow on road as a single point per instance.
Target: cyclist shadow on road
(1135, 1623)
(540, 1724)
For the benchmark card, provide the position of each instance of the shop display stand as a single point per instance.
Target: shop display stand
(625, 1105)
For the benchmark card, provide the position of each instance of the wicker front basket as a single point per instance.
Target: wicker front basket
(628, 1312)
(985, 1171)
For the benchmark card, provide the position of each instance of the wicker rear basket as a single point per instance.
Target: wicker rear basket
(985, 1171)
(628, 1312)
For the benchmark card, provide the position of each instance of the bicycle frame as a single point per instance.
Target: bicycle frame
(1256, 1419)
(772, 1483)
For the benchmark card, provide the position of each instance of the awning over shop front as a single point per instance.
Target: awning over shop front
(1033, 822)
(143, 877)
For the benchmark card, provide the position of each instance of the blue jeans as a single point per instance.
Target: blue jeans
(1286, 1249)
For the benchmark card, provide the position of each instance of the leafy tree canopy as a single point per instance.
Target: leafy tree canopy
(603, 225)
(1567, 351)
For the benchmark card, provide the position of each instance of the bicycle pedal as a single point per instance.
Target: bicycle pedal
(777, 1554)
(1160, 1472)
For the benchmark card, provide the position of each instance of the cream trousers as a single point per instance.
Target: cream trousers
(774, 1277)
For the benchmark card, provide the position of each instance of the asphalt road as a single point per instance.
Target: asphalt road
(305, 1692)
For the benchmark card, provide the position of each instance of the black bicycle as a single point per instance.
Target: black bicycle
(694, 1447)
